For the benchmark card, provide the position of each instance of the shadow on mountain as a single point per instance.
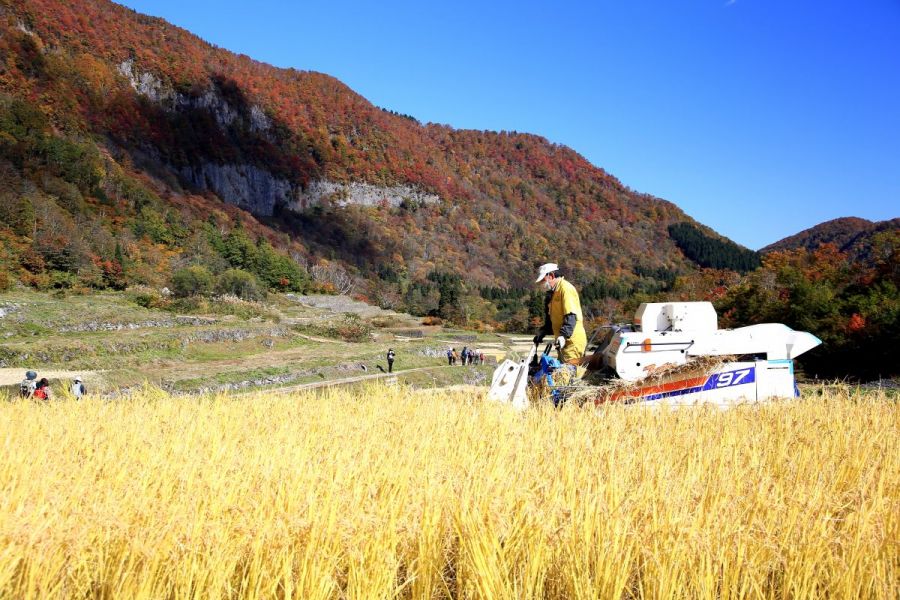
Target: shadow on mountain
(335, 233)
(216, 124)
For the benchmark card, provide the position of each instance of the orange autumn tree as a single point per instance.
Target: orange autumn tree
(853, 309)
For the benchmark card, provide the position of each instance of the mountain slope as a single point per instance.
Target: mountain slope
(153, 135)
(851, 235)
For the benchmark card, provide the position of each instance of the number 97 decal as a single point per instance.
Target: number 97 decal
(734, 378)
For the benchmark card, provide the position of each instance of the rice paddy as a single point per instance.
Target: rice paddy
(393, 493)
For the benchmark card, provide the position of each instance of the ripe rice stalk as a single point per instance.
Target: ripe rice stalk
(390, 493)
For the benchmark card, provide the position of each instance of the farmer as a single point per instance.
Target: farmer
(28, 385)
(78, 390)
(43, 390)
(390, 359)
(562, 315)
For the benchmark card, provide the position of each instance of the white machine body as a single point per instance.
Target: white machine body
(674, 333)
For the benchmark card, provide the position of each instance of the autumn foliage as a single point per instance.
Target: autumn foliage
(854, 308)
(105, 113)
(500, 191)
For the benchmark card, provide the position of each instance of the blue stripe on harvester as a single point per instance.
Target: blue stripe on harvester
(716, 381)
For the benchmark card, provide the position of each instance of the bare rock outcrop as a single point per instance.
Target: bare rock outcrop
(251, 187)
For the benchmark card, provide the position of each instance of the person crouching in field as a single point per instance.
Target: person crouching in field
(42, 392)
(28, 385)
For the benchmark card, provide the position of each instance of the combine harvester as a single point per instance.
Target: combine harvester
(675, 354)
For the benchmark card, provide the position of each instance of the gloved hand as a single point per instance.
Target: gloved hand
(561, 342)
(538, 339)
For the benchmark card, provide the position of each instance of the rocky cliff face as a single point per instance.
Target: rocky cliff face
(145, 84)
(364, 194)
(251, 187)
(259, 192)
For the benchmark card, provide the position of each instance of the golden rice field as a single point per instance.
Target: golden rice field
(391, 493)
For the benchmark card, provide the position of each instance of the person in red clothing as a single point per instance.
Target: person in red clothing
(43, 390)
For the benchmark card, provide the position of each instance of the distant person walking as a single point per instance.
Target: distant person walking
(28, 385)
(43, 390)
(78, 390)
(390, 359)
(465, 355)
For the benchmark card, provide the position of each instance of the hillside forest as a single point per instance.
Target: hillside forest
(135, 156)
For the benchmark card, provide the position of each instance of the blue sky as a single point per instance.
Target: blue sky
(759, 118)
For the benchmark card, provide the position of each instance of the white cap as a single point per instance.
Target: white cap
(78, 379)
(547, 268)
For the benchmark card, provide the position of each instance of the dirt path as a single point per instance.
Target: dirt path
(16, 375)
(345, 381)
(316, 339)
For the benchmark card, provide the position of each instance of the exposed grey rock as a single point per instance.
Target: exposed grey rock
(105, 326)
(882, 384)
(187, 320)
(253, 188)
(24, 28)
(246, 186)
(258, 191)
(149, 85)
(146, 84)
(342, 304)
(224, 113)
(240, 385)
(259, 121)
(433, 352)
(8, 308)
(130, 326)
(364, 194)
(233, 335)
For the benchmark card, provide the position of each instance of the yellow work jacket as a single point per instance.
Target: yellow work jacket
(564, 301)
